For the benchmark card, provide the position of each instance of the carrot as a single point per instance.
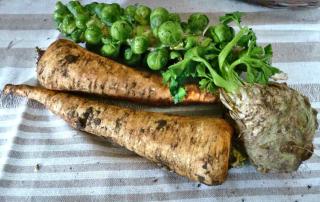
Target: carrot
(67, 66)
(195, 147)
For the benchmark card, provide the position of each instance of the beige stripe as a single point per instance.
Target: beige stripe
(197, 193)
(26, 21)
(81, 167)
(33, 117)
(35, 129)
(172, 179)
(295, 52)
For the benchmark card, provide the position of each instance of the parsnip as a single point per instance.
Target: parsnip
(67, 66)
(195, 147)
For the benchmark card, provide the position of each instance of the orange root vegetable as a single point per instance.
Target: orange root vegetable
(195, 147)
(67, 66)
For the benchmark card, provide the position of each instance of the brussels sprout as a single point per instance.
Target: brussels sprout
(110, 13)
(175, 55)
(61, 7)
(98, 9)
(139, 44)
(81, 21)
(170, 33)
(121, 30)
(174, 17)
(90, 7)
(158, 16)
(142, 15)
(130, 11)
(110, 50)
(94, 22)
(68, 24)
(77, 36)
(58, 15)
(197, 22)
(220, 33)
(93, 35)
(75, 8)
(190, 42)
(145, 30)
(158, 59)
(131, 58)
(141, 30)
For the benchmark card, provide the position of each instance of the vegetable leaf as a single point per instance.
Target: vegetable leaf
(229, 17)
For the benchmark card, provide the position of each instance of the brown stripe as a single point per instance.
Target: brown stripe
(196, 193)
(61, 154)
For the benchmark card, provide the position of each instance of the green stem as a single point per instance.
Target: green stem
(229, 86)
(226, 50)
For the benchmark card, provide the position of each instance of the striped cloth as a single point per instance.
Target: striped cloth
(43, 159)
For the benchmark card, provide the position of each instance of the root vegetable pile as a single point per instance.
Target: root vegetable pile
(218, 59)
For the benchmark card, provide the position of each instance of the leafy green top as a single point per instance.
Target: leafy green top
(224, 64)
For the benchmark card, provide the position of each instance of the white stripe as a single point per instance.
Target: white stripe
(22, 108)
(45, 7)
(68, 134)
(287, 27)
(70, 160)
(15, 75)
(104, 174)
(315, 104)
(144, 189)
(316, 140)
(28, 38)
(300, 72)
(59, 148)
(286, 36)
(52, 123)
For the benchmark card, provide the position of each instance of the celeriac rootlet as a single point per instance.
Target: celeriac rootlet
(195, 147)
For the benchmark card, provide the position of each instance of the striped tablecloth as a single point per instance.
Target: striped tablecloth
(42, 159)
